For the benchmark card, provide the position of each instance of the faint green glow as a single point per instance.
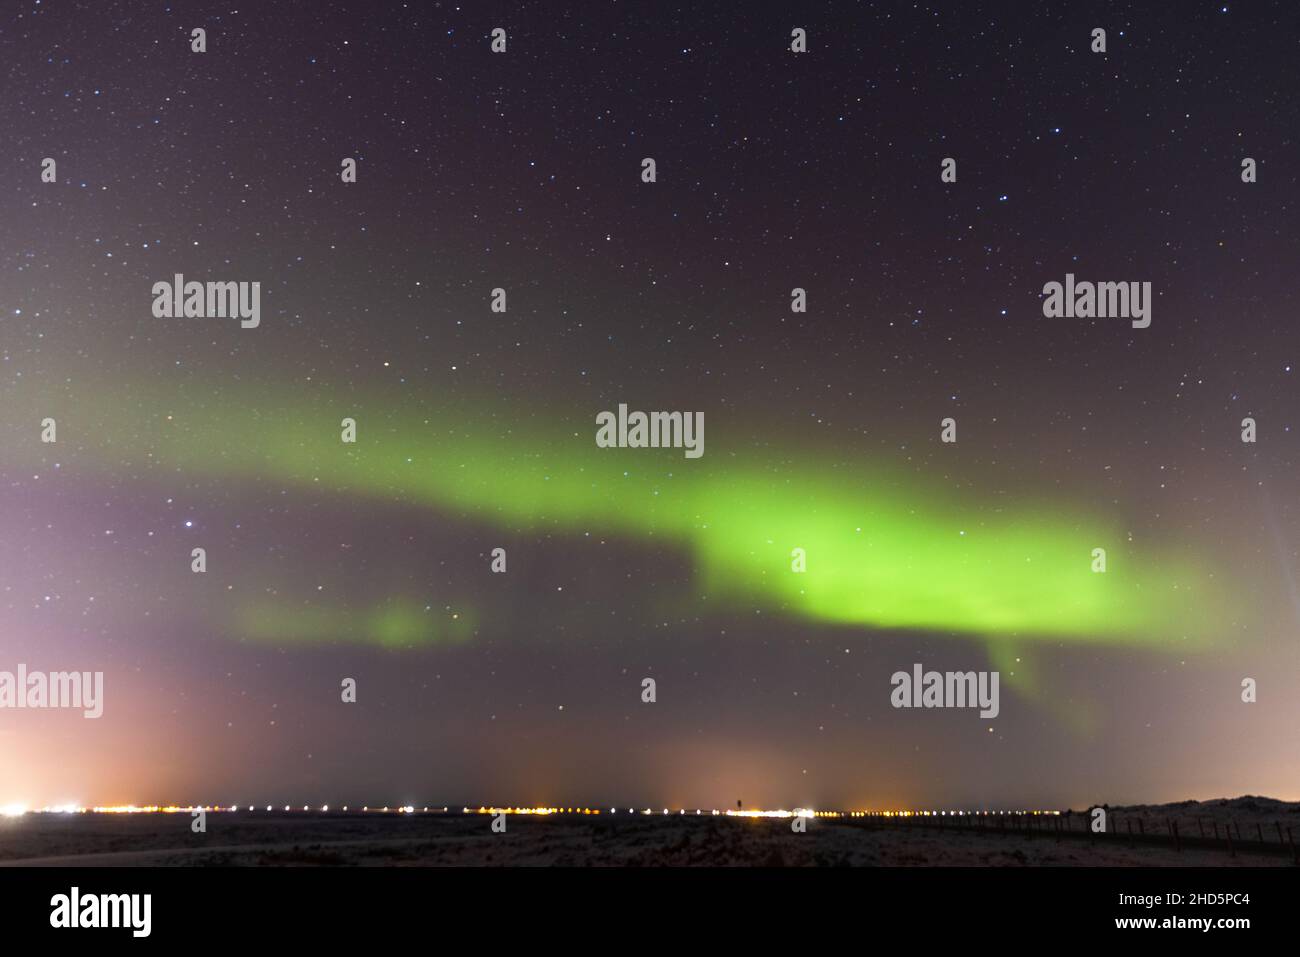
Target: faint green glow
(392, 624)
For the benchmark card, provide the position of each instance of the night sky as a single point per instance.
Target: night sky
(476, 429)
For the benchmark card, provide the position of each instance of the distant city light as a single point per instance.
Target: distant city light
(19, 810)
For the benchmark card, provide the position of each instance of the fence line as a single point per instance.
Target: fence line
(1119, 830)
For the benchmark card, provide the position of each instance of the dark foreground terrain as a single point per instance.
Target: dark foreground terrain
(310, 839)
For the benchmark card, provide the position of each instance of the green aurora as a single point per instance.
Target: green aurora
(883, 551)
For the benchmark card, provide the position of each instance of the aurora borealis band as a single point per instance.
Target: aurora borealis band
(884, 552)
(476, 429)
